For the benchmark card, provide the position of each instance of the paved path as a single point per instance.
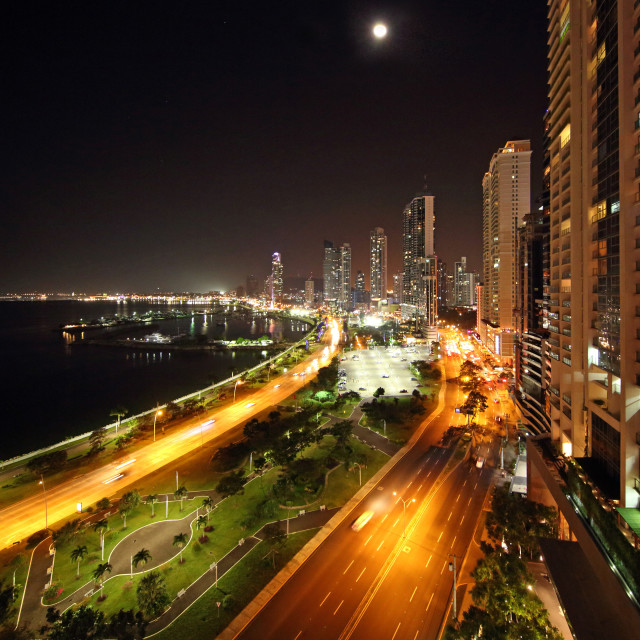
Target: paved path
(311, 520)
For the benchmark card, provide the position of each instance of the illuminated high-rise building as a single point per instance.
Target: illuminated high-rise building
(506, 199)
(331, 264)
(276, 278)
(345, 297)
(378, 264)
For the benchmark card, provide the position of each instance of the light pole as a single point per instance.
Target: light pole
(384, 425)
(404, 513)
(155, 417)
(452, 567)
(44, 494)
(235, 386)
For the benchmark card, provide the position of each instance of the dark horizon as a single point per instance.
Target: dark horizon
(179, 149)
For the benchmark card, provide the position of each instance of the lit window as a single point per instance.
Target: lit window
(565, 136)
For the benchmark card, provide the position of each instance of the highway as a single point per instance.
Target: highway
(23, 518)
(377, 583)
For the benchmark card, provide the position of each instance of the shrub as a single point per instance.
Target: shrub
(203, 538)
(208, 528)
(228, 602)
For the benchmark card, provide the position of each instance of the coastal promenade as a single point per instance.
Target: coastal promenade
(23, 518)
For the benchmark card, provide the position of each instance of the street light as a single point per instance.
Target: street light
(235, 386)
(452, 567)
(155, 417)
(44, 493)
(404, 512)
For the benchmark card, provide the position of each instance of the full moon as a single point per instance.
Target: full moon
(380, 31)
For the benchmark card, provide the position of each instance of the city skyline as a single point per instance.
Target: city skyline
(143, 141)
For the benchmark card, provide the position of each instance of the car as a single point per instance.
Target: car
(414, 379)
(361, 520)
(385, 375)
(480, 462)
(403, 391)
(403, 360)
(361, 389)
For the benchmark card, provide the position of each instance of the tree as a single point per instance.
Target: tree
(78, 554)
(101, 527)
(152, 594)
(180, 540)
(180, 494)
(469, 376)
(83, 622)
(66, 532)
(99, 571)
(152, 498)
(230, 485)
(7, 597)
(275, 538)
(207, 503)
(342, 431)
(124, 625)
(378, 392)
(141, 557)
(127, 504)
(119, 412)
(103, 504)
(201, 521)
(48, 463)
(96, 440)
(475, 403)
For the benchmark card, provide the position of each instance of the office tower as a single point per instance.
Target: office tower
(397, 287)
(331, 273)
(276, 279)
(309, 292)
(506, 198)
(464, 285)
(252, 286)
(345, 277)
(360, 299)
(417, 254)
(378, 264)
(594, 305)
(442, 284)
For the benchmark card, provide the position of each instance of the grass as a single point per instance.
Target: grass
(229, 521)
(346, 409)
(64, 569)
(11, 561)
(203, 620)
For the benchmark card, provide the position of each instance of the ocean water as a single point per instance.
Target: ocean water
(55, 385)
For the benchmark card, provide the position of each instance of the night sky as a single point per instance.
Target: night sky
(176, 146)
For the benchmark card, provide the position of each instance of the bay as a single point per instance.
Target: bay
(54, 385)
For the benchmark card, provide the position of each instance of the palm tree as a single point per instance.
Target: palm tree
(152, 498)
(180, 541)
(101, 527)
(201, 521)
(77, 554)
(142, 557)
(99, 571)
(207, 503)
(180, 494)
(119, 412)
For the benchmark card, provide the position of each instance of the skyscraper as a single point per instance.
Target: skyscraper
(594, 305)
(345, 277)
(360, 297)
(417, 245)
(506, 198)
(378, 264)
(276, 279)
(331, 273)
(252, 286)
(309, 291)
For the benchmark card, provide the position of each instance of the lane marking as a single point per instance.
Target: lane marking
(396, 631)
(454, 541)
(430, 599)
(442, 570)
(386, 515)
(395, 523)
(360, 576)
(440, 536)
(349, 567)
(328, 594)
(417, 632)
(458, 498)
(450, 514)
(428, 561)
(420, 487)
(414, 593)
(336, 611)
(378, 549)
(409, 484)
(369, 538)
(299, 632)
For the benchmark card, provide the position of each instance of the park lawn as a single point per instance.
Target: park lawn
(243, 582)
(344, 410)
(64, 569)
(10, 561)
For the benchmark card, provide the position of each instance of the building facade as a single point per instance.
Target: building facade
(378, 264)
(506, 199)
(331, 264)
(309, 292)
(277, 283)
(594, 292)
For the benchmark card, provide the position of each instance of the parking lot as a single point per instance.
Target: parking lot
(386, 367)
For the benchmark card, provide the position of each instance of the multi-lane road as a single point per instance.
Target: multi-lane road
(23, 518)
(391, 578)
